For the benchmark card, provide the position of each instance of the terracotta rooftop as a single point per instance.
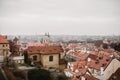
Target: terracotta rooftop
(3, 39)
(34, 49)
(100, 62)
(79, 66)
(79, 55)
(35, 44)
(92, 56)
(86, 76)
(44, 49)
(51, 49)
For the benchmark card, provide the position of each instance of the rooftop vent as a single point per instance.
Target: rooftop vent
(100, 58)
(97, 62)
(103, 65)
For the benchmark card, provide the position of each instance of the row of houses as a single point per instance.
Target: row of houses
(40, 54)
(47, 56)
(85, 61)
(95, 64)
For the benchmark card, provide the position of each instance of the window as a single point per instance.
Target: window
(3, 45)
(50, 58)
(34, 58)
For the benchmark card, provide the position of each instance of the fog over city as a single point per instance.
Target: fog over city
(60, 17)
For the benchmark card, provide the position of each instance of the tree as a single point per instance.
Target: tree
(62, 77)
(117, 47)
(39, 74)
(105, 46)
(25, 57)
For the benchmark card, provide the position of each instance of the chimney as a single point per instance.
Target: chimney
(101, 70)
(89, 59)
(86, 66)
(83, 78)
(68, 65)
(71, 67)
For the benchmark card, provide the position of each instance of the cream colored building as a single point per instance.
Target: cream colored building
(104, 73)
(50, 60)
(47, 56)
(111, 68)
(4, 46)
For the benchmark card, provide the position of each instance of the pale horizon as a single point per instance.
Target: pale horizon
(60, 17)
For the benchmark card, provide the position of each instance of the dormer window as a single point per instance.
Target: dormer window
(96, 62)
(107, 60)
(100, 57)
(103, 65)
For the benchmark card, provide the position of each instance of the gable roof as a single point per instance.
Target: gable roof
(51, 49)
(100, 62)
(34, 49)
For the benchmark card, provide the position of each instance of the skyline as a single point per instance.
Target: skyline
(60, 17)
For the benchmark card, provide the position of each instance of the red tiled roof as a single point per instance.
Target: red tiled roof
(92, 56)
(33, 49)
(86, 76)
(35, 44)
(3, 39)
(80, 66)
(97, 64)
(45, 49)
(51, 49)
(109, 50)
(79, 55)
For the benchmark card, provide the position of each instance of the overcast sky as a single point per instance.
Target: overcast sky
(69, 17)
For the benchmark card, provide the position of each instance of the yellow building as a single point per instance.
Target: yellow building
(47, 56)
(4, 46)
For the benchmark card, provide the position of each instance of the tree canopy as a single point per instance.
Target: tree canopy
(39, 74)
